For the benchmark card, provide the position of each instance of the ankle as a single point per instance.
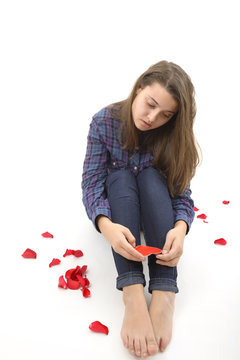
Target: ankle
(166, 296)
(133, 292)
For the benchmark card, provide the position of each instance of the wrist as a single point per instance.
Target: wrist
(181, 225)
(102, 221)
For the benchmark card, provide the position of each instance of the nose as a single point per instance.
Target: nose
(151, 116)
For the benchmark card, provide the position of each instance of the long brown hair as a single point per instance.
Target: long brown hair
(173, 145)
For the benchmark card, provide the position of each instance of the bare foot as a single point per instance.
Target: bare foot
(161, 313)
(137, 331)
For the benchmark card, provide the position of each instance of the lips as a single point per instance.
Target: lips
(144, 123)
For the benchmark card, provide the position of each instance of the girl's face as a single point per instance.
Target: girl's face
(153, 107)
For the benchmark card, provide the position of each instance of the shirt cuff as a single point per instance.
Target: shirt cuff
(100, 211)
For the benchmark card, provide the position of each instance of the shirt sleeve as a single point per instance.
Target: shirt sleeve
(183, 206)
(94, 176)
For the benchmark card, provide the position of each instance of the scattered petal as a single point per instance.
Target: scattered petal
(84, 269)
(87, 283)
(148, 250)
(195, 208)
(225, 202)
(96, 326)
(77, 253)
(62, 283)
(202, 216)
(86, 292)
(220, 241)
(206, 222)
(29, 254)
(67, 252)
(54, 262)
(47, 235)
(72, 284)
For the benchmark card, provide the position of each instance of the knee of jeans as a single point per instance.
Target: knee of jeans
(122, 183)
(151, 180)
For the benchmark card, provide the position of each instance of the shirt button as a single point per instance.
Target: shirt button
(135, 168)
(114, 163)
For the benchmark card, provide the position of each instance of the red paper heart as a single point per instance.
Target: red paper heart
(220, 241)
(54, 262)
(225, 202)
(202, 216)
(62, 283)
(47, 235)
(97, 326)
(148, 250)
(29, 254)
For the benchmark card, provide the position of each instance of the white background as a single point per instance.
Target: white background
(61, 62)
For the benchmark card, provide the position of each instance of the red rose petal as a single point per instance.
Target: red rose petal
(84, 269)
(62, 283)
(68, 252)
(202, 216)
(77, 253)
(73, 273)
(47, 235)
(195, 208)
(206, 222)
(29, 254)
(86, 292)
(87, 283)
(225, 202)
(96, 326)
(72, 284)
(54, 262)
(220, 241)
(148, 250)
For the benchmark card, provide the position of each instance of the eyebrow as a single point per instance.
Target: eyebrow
(159, 105)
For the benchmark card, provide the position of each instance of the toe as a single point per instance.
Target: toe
(131, 345)
(125, 340)
(144, 350)
(152, 346)
(137, 347)
(164, 343)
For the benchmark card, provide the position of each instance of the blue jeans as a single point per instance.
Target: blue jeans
(142, 202)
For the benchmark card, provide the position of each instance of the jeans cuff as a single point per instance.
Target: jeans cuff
(163, 284)
(130, 278)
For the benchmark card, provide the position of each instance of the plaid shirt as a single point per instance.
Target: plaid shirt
(104, 155)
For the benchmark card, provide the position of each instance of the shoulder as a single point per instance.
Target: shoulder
(104, 121)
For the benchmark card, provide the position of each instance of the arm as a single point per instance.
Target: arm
(184, 215)
(94, 176)
(96, 202)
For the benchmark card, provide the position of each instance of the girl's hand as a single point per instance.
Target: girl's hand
(120, 238)
(173, 248)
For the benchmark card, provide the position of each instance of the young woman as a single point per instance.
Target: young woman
(141, 156)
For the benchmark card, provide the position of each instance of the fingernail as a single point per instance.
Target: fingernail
(165, 251)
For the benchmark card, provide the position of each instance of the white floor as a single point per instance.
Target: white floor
(39, 320)
(55, 74)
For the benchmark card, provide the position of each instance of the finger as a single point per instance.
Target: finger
(171, 263)
(168, 242)
(127, 255)
(129, 236)
(134, 253)
(168, 257)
